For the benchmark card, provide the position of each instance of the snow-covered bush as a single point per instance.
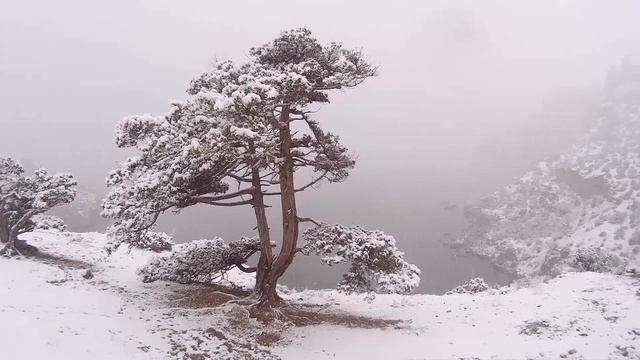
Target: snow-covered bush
(596, 260)
(199, 261)
(49, 222)
(473, 286)
(376, 263)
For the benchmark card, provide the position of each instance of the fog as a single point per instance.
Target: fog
(470, 95)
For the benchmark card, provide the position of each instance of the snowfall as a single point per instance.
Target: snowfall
(73, 301)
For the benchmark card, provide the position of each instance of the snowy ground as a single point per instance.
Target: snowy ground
(49, 310)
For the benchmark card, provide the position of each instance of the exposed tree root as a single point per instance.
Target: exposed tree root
(217, 296)
(18, 248)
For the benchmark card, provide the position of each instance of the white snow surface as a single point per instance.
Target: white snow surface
(48, 310)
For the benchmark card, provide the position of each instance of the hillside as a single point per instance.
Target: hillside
(52, 307)
(586, 201)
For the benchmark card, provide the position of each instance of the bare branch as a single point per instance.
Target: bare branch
(315, 181)
(308, 219)
(244, 269)
(236, 203)
(207, 199)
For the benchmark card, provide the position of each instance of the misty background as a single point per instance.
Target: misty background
(470, 95)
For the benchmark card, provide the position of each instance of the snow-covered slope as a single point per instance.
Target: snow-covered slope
(52, 308)
(588, 198)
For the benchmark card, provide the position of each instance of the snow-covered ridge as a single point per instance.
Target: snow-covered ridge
(51, 308)
(586, 198)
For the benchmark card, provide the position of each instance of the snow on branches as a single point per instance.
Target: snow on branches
(376, 263)
(149, 240)
(316, 67)
(199, 261)
(228, 126)
(23, 197)
(189, 154)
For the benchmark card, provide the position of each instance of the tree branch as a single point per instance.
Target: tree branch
(308, 219)
(247, 191)
(244, 269)
(300, 188)
(5, 197)
(235, 203)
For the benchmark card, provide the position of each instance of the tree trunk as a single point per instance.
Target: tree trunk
(14, 230)
(10, 246)
(263, 289)
(4, 230)
(289, 212)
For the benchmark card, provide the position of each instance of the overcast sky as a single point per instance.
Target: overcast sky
(446, 119)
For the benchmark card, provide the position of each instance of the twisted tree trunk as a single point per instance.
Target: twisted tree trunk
(15, 230)
(262, 287)
(289, 215)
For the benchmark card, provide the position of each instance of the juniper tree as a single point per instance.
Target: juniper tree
(23, 197)
(230, 143)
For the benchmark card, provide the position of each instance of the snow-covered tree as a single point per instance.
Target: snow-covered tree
(23, 197)
(231, 141)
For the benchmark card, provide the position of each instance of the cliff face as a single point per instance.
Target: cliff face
(586, 201)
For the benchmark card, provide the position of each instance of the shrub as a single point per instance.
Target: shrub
(596, 260)
(49, 222)
(473, 286)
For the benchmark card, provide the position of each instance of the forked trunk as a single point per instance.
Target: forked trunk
(289, 215)
(266, 255)
(263, 288)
